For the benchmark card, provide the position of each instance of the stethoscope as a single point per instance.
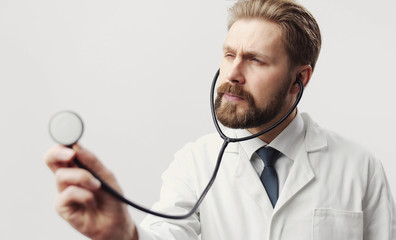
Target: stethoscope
(67, 127)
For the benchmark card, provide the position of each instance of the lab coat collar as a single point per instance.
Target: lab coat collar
(315, 138)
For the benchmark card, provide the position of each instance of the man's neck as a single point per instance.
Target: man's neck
(271, 135)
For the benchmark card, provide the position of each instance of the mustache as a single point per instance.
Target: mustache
(234, 89)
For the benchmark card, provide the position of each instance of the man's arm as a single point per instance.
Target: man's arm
(379, 208)
(179, 193)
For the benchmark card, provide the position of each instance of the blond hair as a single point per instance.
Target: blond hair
(301, 33)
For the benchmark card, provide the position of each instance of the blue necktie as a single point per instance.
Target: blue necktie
(269, 177)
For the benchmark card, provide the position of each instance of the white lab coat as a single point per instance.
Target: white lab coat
(335, 191)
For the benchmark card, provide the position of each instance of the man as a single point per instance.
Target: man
(321, 186)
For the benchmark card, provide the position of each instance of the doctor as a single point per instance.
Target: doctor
(319, 186)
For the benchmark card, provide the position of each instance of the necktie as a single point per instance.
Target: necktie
(269, 177)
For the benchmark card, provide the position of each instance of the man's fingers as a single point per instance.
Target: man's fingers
(76, 176)
(89, 160)
(73, 200)
(59, 157)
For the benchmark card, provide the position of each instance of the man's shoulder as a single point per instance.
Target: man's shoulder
(332, 142)
(207, 146)
(204, 142)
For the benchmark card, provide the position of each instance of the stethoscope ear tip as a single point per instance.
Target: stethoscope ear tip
(66, 128)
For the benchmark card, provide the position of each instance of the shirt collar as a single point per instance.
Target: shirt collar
(288, 142)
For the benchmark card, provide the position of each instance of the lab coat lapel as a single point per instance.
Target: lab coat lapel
(301, 173)
(247, 179)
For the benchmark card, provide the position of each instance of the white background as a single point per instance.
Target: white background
(139, 72)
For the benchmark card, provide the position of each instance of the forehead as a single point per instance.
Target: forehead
(255, 35)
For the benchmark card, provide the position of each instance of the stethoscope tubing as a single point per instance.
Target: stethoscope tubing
(226, 141)
(121, 198)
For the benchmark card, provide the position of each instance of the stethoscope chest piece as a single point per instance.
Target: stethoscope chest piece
(66, 128)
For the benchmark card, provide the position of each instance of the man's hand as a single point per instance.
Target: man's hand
(82, 202)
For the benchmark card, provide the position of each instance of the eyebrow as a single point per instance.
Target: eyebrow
(247, 54)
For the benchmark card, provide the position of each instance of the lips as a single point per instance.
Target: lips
(232, 97)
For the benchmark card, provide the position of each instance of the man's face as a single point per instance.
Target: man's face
(255, 76)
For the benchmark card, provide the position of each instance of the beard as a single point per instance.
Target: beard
(228, 114)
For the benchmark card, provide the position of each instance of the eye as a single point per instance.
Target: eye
(256, 60)
(228, 55)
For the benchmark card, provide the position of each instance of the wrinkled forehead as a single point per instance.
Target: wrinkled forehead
(257, 36)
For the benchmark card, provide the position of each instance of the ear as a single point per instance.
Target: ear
(303, 73)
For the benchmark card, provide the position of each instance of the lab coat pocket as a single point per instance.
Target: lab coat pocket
(331, 224)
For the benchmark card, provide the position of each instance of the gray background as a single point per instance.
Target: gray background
(139, 73)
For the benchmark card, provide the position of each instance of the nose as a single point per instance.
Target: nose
(235, 74)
